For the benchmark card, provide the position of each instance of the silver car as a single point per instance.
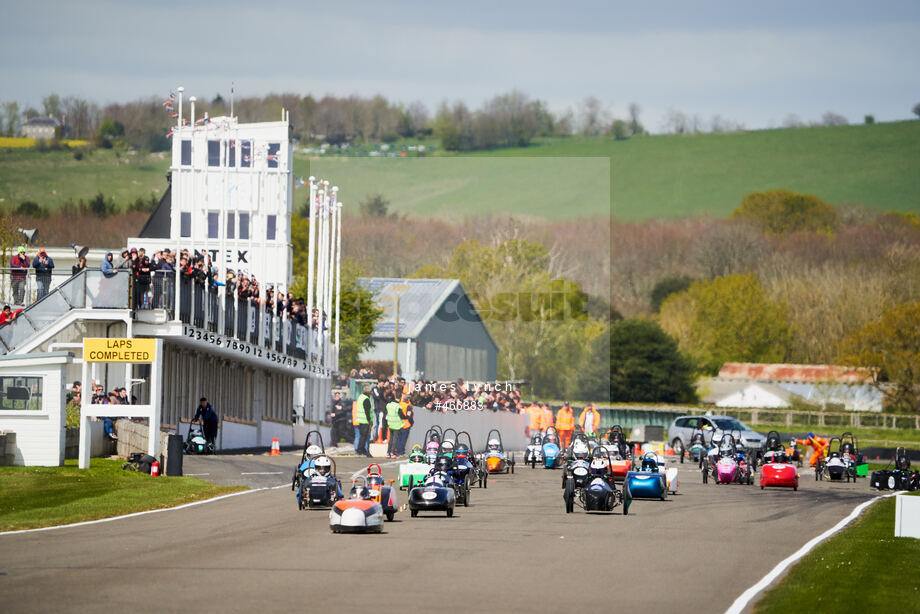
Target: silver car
(683, 427)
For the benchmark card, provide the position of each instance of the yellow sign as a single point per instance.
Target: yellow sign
(119, 350)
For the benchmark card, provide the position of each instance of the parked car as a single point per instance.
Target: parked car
(681, 430)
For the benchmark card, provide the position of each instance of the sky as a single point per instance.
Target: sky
(750, 64)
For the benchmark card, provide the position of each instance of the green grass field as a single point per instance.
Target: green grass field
(50, 178)
(874, 165)
(864, 568)
(658, 176)
(33, 497)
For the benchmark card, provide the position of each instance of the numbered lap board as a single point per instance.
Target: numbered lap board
(119, 350)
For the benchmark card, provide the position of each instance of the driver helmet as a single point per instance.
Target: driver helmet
(364, 493)
(313, 450)
(494, 445)
(535, 440)
(448, 445)
(323, 465)
(599, 465)
(432, 446)
(416, 456)
(580, 449)
(442, 465)
(649, 463)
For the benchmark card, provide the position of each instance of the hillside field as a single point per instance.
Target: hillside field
(658, 176)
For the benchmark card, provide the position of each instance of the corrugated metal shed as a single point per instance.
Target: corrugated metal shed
(441, 335)
(419, 300)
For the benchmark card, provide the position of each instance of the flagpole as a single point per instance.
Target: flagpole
(311, 206)
(329, 279)
(338, 279)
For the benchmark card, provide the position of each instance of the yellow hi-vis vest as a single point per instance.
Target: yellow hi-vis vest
(362, 415)
(394, 422)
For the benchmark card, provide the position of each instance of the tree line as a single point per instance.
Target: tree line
(510, 119)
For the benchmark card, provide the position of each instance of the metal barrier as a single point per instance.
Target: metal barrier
(197, 304)
(85, 290)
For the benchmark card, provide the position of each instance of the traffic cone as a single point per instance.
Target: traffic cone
(276, 447)
(154, 469)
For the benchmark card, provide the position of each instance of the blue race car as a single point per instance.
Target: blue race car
(648, 483)
(552, 453)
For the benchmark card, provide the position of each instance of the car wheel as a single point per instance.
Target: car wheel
(413, 513)
(390, 514)
(761, 487)
(706, 472)
(569, 496)
(450, 512)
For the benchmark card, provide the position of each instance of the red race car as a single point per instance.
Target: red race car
(778, 471)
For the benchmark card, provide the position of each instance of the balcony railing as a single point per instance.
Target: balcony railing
(191, 300)
(85, 290)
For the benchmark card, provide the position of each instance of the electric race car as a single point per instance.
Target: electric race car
(436, 494)
(778, 471)
(414, 471)
(726, 464)
(840, 463)
(472, 467)
(313, 448)
(588, 482)
(650, 482)
(534, 452)
(621, 457)
(196, 443)
(433, 439)
(497, 461)
(380, 492)
(319, 488)
(359, 513)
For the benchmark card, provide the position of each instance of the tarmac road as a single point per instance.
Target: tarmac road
(514, 549)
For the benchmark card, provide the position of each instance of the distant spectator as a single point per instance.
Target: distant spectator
(19, 264)
(79, 266)
(8, 315)
(108, 266)
(43, 265)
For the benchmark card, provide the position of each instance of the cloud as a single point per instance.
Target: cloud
(726, 63)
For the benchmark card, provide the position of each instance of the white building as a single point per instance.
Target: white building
(231, 196)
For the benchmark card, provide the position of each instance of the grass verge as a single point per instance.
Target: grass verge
(32, 497)
(864, 568)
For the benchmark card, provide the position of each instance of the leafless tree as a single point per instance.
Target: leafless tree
(635, 126)
(792, 121)
(833, 119)
(593, 117)
(82, 116)
(10, 118)
(51, 105)
(676, 122)
(729, 247)
(418, 114)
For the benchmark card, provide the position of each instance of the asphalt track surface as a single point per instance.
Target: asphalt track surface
(514, 550)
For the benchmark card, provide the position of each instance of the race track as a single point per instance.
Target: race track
(514, 550)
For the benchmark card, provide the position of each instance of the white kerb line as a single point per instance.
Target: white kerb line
(144, 513)
(748, 596)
